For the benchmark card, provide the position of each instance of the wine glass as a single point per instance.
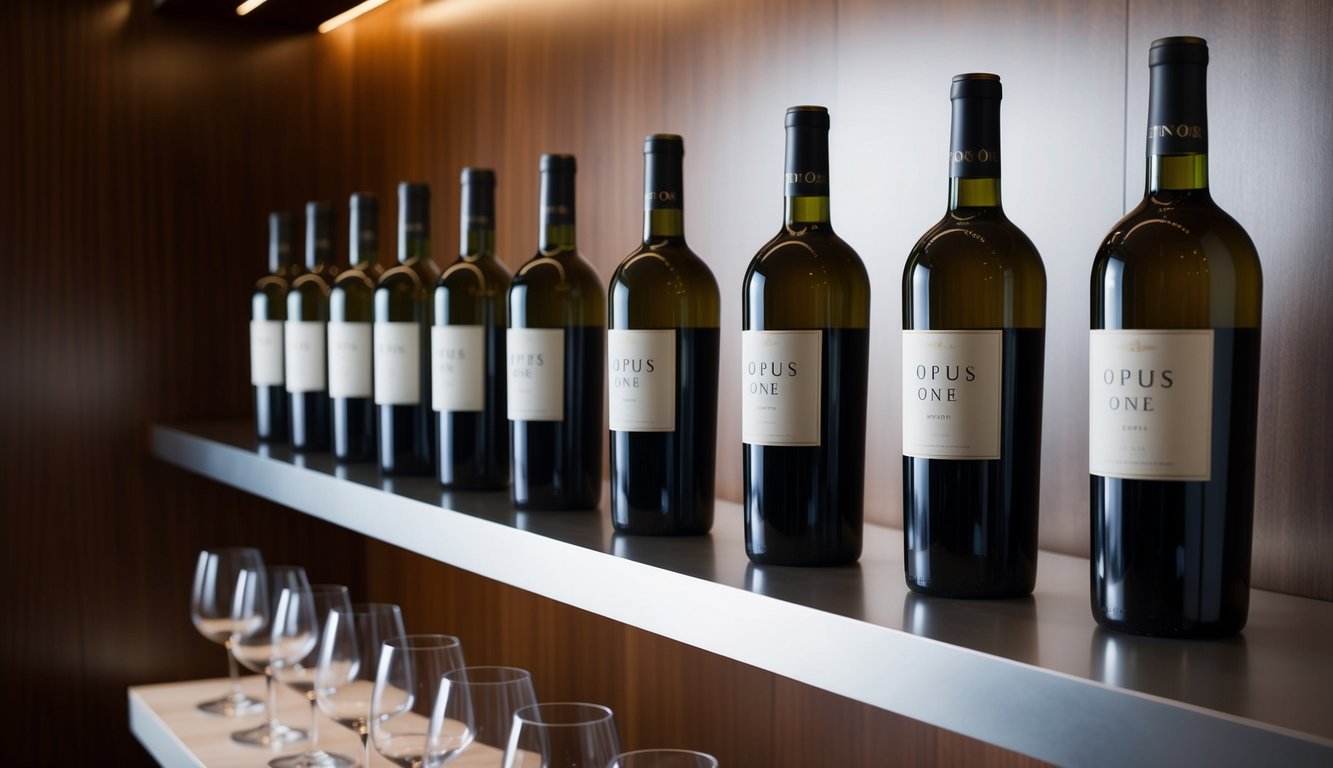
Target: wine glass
(215, 574)
(257, 602)
(301, 619)
(476, 704)
(411, 669)
(348, 661)
(562, 735)
(663, 758)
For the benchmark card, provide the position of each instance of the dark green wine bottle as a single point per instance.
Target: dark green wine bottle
(268, 312)
(1177, 295)
(402, 342)
(351, 320)
(468, 349)
(804, 349)
(974, 316)
(662, 361)
(305, 344)
(556, 348)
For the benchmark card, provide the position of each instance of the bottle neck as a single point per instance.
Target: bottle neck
(803, 210)
(363, 237)
(973, 193)
(279, 242)
(413, 222)
(364, 251)
(477, 243)
(974, 143)
(663, 224)
(319, 254)
(556, 231)
(477, 227)
(1182, 173)
(807, 175)
(413, 243)
(663, 197)
(318, 236)
(1177, 147)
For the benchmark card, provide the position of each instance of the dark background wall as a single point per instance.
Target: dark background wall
(140, 156)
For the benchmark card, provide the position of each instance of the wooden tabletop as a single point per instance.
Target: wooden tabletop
(166, 721)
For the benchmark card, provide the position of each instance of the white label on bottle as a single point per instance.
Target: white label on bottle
(1150, 396)
(536, 374)
(458, 367)
(304, 351)
(951, 394)
(780, 387)
(349, 360)
(642, 380)
(266, 353)
(397, 364)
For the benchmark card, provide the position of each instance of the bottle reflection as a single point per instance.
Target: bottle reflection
(839, 589)
(1005, 628)
(1213, 674)
(694, 555)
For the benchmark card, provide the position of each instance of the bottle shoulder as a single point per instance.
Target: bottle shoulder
(976, 240)
(354, 280)
(1177, 261)
(561, 271)
(1169, 229)
(485, 275)
(271, 287)
(413, 274)
(311, 284)
(664, 266)
(663, 285)
(813, 252)
(554, 290)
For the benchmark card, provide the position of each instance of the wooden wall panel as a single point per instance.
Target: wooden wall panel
(137, 154)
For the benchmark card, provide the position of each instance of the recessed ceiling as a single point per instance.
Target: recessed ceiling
(273, 15)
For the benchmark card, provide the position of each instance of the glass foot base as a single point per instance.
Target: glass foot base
(268, 736)
(232, 705)
(319, 759)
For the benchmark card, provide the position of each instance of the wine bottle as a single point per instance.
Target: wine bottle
(804, 348)
(974, 316)
(305, 345)
(402, 342)
(468, 349)
(351, 319)
(268, 312)
(662, 365)
(555, 346)
(1173, 383)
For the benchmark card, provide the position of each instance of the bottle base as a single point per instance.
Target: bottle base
(1218, 630)
(970, 591)
(818, 561)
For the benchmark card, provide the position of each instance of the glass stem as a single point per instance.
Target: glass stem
(237, 695)
(314, 725)
(272, 695)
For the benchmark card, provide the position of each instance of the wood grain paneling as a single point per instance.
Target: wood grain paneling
(141, 156)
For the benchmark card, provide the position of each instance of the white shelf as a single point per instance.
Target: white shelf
(1035, 676)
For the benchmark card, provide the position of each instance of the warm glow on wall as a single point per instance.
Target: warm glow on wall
(349, 14)
(247, 6)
